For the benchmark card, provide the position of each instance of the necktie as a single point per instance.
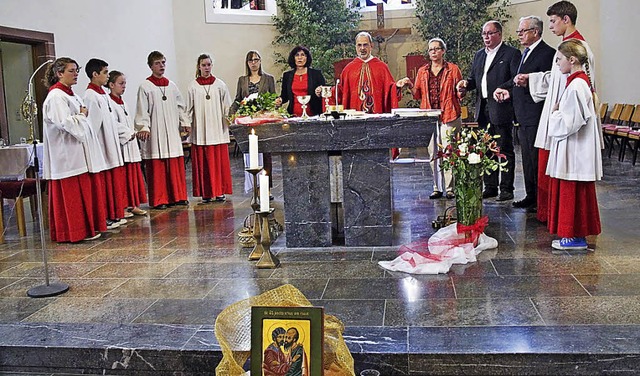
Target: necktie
(524, 56)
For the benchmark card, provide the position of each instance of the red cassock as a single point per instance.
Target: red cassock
(368, 87)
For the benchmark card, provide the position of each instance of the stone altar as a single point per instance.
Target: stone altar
(364, 143)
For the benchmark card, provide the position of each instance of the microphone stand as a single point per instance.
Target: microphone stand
(48, 289)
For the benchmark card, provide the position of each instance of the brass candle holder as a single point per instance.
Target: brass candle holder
(267, 260)
(255, 205)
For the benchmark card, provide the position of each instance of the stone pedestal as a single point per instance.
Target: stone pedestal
(366, 172)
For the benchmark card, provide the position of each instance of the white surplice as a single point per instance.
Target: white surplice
(209, 116)
(163, 118)
(130, 148)
(102, 120)
(575, 136)
(548, 87)
(63, 136)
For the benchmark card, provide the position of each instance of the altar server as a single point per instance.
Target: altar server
(135, 192)
(72, 214)
(160, 116)
(101, 119)
(575, 160)
(208, 103)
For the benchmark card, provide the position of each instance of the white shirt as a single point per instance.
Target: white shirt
(63, 136)
(209, 124)
(533, 45)
(163, 118)
(491, 54)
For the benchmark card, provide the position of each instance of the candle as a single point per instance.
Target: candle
(253, 150)
(337, 82)
(264, 192)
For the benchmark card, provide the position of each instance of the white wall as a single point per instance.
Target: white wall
(619, 52)
(121, 32)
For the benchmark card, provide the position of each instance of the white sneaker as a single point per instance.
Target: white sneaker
(94, 237)
(128, 214)
(111, 225)
(122, 222)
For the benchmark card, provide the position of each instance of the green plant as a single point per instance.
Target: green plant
(458, 23)
(326, 28)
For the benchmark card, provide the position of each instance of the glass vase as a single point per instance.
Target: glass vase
(468, 190)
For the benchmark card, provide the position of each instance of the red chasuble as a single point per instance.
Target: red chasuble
(368, 87)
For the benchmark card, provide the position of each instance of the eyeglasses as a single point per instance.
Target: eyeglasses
(489, 33)
(253, 60)
(524, 30)
(434, 49)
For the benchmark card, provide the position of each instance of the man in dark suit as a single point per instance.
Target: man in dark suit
(537, 57)
(494, 66)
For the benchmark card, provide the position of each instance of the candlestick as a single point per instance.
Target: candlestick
(257, 249)
(253, 149)
(264, 192)
(267, 259)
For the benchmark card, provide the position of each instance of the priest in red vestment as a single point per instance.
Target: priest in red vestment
(366, 83)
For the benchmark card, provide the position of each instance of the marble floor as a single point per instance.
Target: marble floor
(178, 268)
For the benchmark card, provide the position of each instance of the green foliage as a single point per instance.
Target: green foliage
(327, 28)
(459, 24)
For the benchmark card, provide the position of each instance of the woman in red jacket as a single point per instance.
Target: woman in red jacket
(436, 88)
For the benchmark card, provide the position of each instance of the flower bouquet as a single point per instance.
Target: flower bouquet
(259, 109)
(471, 153)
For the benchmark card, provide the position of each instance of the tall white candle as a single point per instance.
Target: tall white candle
(253, 149)
(264, 192)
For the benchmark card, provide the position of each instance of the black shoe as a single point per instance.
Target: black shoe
(505, 196)
(450, 195)
(271, 198)
(182, 203)
(489, 193)
(160, 207)
(205, 201)
(435, 195)
(220, 199)
(524, 203)
(532, 209)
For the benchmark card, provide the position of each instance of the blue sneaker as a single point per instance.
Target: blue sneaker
(570, 243)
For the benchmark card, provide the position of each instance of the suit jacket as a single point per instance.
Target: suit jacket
(527, 111)
(502, 70)
(315, 79)
(267, 85)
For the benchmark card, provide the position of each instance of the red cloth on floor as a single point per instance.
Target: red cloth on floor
(166, 180)
(115, 181)
(573, 208)
(211, 170)
(71, 209)
(136, 191)
(543, 186)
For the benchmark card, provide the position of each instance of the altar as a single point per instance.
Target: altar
(363, 143)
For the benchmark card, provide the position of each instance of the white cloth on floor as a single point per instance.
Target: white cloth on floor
(443, 253)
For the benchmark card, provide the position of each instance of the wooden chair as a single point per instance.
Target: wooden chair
(18, 190)
(602, 112)
(631, 135)
(613, 134)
